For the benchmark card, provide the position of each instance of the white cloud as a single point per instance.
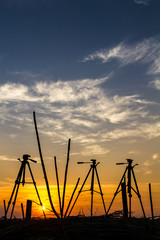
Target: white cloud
(143, 130)
(126, 54)
(78, 109)
(16, 92)
(61, 91)
(145, 52)
(81, 101)
(13, 91)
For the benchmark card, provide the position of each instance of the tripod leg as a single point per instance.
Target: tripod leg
(14, 202)
(24, 171)
(14, 188)
(36, 188)
(79, 192)
(100, 191)
(117, 190)
(71, 197)
(92, 189)
(10, 200)
(139, 196)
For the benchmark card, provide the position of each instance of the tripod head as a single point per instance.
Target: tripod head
(129, 161)
(92, 160)
(26, 158)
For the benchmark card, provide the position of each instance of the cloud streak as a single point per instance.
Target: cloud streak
(124, 53)
(145, 52)
(79, 109)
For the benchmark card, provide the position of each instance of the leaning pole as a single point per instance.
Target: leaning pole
(43, 166)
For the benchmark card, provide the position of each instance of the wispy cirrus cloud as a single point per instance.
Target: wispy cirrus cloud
(126, 54)
(69, 91)
(145, 52)
(142, 130)
(51, 91)
(79, 109)
(82, 101)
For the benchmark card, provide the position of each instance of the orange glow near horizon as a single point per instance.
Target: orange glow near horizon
(83, 203)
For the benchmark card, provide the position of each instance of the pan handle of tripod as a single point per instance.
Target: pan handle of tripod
(32, 160)
(120, 163)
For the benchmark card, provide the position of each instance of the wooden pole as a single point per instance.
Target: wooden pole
(22, 210)
(124, 200)
(28, 209)
(4, 203)
(151, 203)
(59, 196)
(65, 177)
(43, 166)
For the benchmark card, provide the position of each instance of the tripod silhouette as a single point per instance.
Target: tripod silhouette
(129, 171)
(93, 169)
(21, 179)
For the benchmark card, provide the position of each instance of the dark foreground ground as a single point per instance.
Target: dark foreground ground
(80, 228)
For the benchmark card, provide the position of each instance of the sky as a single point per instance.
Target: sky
(90, 69)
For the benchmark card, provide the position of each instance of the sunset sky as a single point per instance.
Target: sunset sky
(90, 69)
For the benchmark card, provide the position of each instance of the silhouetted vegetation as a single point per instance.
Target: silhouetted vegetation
(100, 227)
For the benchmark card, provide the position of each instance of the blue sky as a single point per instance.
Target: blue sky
(91, 71)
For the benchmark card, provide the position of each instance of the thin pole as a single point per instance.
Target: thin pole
(150, 195)
(71, 197)
(59, 196)
(22, 210)
(65, 178)
(43, 166)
